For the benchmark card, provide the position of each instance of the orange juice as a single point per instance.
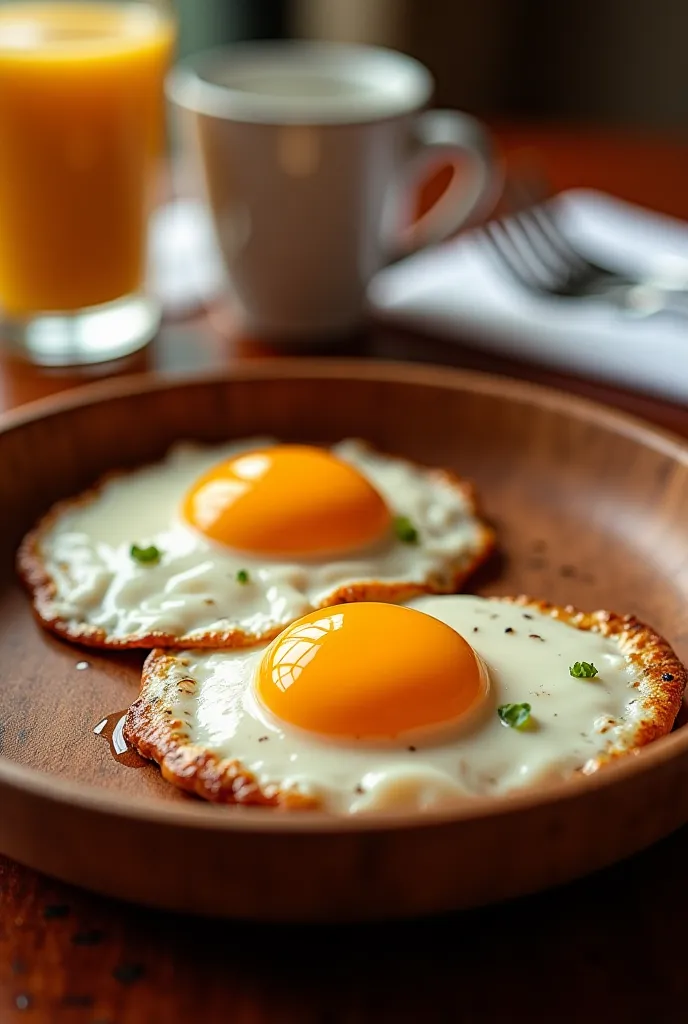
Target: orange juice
(81, 124)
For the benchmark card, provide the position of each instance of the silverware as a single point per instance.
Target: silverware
(531, 246)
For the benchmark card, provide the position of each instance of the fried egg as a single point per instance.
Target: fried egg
(374, 707)
(224, 546)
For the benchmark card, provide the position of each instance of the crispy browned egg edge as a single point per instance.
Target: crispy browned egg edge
(153, 731)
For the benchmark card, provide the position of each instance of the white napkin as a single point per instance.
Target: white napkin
(459, 290)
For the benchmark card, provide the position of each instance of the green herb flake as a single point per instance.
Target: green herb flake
(515, 716)
(583, 670)
(146, 556)
(242, 576)
(405, 530)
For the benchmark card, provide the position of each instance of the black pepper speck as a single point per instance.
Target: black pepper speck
(262, 739)
(667, 677)
(535, 636)
(412, 749)
(475, 629)
(509, 630)
(359, 790)
(527, 616)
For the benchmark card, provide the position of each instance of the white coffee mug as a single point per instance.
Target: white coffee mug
(311, 156)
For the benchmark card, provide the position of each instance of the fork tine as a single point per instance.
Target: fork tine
(492, 241)
(529, 245)
(550, 225)
(497, 241)
(526, 223)
(539, 207)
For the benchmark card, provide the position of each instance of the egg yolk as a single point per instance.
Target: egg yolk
(287, 500)
(369, 670)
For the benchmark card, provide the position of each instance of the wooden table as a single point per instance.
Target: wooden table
(609, 948)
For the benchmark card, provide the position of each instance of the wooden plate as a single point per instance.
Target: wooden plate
(591, 509)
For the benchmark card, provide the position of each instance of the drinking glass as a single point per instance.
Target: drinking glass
(81, 134)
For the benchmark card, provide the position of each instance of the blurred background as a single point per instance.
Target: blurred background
(603, 62)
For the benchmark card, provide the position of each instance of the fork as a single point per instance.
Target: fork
(531, 246)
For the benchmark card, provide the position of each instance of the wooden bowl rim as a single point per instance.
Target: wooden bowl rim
(204, 817)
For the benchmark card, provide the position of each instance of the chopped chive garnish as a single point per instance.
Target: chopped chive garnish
(405, 530)
(242, 576)
(146, 556)
(514, 715)
(583, 670)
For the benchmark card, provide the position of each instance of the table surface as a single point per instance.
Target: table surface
(606, 948)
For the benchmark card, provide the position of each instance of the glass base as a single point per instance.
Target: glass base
(96, 334)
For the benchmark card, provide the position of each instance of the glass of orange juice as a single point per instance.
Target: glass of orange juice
(81, 134)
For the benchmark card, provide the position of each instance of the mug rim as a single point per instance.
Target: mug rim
(189, 87)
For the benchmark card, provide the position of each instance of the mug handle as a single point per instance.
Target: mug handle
(441, 136)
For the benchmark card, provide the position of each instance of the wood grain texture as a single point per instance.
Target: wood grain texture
(596, 951)
(590, 510)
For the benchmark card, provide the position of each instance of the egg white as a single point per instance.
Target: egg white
(193, 595)
(527, 656)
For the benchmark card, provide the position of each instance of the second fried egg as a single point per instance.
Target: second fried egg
(369, 706)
